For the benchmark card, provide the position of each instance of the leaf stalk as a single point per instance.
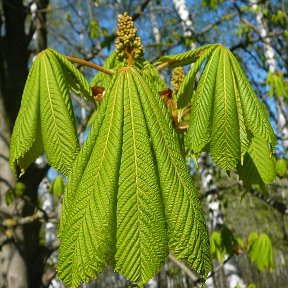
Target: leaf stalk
(90, 65)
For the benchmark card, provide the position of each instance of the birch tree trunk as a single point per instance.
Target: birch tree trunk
(270, 56)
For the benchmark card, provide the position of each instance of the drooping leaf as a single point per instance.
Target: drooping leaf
(26, 140)
(56, 116)
(185, 58)
(88, 237)
(46, 118)
(226, 114)
(260, 251)
(141, 246)
(120, 185)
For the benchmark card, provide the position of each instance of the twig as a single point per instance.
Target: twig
(185, 269)
(89, 64)
(279, 206)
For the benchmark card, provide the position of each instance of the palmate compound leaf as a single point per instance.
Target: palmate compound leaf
(46, 119)
(226, 114)
(260, 251)
(119, 188)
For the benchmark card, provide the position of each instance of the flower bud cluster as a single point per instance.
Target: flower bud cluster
(178, 75)
(127, 41)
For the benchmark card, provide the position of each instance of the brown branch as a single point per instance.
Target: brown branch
(91, 65)
(279, 206)
(185, 269)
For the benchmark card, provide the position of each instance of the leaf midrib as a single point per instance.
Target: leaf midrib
(51, 106)
(136, 165)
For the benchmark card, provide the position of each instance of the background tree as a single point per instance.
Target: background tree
(91, 37)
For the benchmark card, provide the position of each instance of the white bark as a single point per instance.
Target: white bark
(154, 24)
(263, 32)
(272, 66)
(186, 20)
(155, 28)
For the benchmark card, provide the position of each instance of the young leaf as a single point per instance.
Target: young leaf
(46, 117)
(260, 251)
(119, 185)
(56, 115)
(26, 140)
(226, 115)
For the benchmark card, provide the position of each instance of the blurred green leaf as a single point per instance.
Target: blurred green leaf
(57, 187)
(19, 189)
(260, 251)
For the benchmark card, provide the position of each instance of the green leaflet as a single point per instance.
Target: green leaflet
(26, 140)
(56, 112)
(187, 232)
(73, 76)
(259, 164)
(186, 89)
(224, 145)
(152, 78)
(141, 228)
(199, 132)
(79, 164)
(260, 251)
(255, 115)
(88, 236)
(185, 58)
